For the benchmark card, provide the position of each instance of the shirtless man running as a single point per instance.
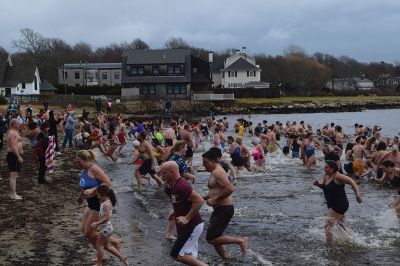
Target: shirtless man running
(186, 135)
(14, 156)
(147, 166)
(219, 197)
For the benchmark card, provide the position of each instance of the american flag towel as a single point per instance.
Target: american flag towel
(50, 152)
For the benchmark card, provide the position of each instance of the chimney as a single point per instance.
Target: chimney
(237, 52)
(210, 57)
(244, 49)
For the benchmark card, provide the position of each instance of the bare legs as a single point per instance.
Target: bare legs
(219, 243)
(170, 226)
(310, 161)
(331, 218)
(103, 242)
(190, 260)
(13, 186)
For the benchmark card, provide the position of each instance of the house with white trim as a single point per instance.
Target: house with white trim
(241, 71)
(18, 77)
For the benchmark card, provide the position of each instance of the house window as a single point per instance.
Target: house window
(232, 74)
(251, 73)
(174, 70)
(155, 70)
(104, 75)
(77, 75)
(65, 75)
(129, 70)
(149, 89)
(138, 71)
(176, 89)
(194, 70)
(77, 85)
(223, 74)
(116, 75)
(23, 85)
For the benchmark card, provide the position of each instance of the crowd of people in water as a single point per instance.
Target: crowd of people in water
(164, 152)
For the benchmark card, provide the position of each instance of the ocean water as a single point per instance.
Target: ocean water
(278, 208)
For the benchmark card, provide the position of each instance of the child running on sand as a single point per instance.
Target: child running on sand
(108, 200)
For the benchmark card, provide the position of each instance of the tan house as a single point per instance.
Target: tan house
(90, 74)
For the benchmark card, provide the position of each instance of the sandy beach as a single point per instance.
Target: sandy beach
(44, 227)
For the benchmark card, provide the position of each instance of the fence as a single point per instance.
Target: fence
(251, 92)
(213, 97)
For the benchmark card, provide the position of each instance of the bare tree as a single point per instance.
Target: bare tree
(295, 50)
(175, 43)
(82, 51)
(139, 44)
(3, 51)
(31, 42)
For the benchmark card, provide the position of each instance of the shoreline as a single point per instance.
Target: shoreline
(271, 107)
(44, 228)
(308, 107)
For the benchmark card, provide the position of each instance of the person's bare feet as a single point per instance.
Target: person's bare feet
(170, 237)
(243, 246)
(15, 197)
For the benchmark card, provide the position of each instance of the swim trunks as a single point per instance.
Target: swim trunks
(13, 163)
(145, 168)
(219, 220)
(358, 167)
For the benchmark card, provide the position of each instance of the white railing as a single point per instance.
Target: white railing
(213, 97)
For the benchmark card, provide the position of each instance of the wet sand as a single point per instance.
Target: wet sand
(44, 227)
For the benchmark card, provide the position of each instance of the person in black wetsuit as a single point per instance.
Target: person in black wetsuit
(392, 174)
(336, 198)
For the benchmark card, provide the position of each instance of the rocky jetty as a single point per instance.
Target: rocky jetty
(306, 107)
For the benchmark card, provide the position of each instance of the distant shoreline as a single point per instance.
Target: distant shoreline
(279, 106)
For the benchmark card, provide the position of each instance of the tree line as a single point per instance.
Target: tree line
(293, 71)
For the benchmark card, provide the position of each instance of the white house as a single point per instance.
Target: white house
(19, 78)
(340, 84)
(240, 71)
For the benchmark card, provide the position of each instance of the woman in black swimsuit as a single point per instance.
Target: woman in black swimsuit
(336, 198)
(392, 174)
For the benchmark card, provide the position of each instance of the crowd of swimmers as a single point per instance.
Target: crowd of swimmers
(165, 153)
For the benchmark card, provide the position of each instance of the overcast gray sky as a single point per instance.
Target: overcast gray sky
(367, 30)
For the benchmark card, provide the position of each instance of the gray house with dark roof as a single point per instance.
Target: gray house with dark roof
(90, 74)
(164, 73)
(18, 77)
(240, 71)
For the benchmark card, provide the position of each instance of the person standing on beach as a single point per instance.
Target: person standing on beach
(69, 129)
(219, 197)
(14, 156)
(3, 129)
(40, 150)
(186, 203)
